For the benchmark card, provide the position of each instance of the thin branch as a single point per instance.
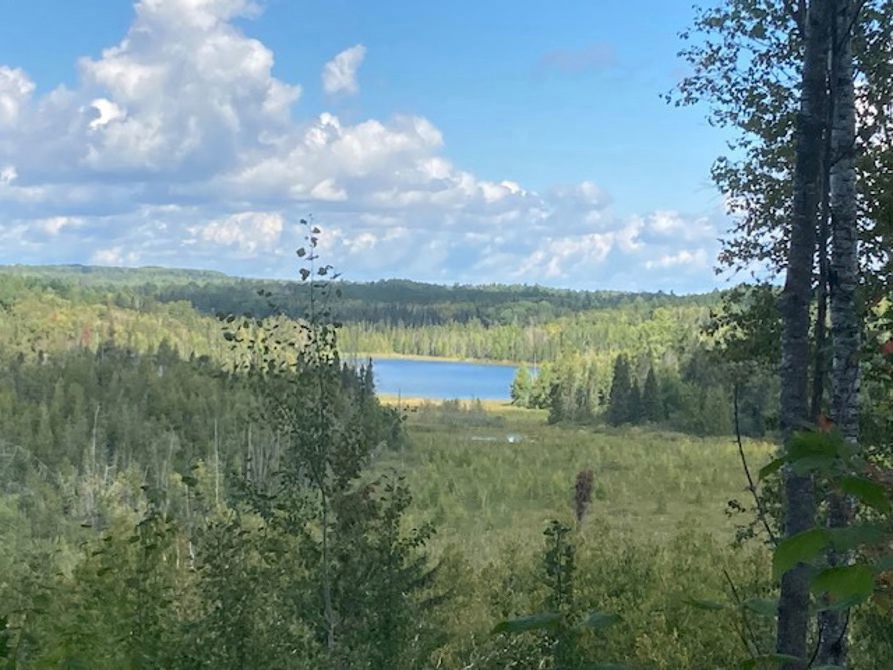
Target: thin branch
(751, 644)
(751, 485)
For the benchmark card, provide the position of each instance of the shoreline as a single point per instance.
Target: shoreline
(489, 405)
(364, 355)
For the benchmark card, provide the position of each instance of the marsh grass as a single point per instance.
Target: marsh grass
(484, 492)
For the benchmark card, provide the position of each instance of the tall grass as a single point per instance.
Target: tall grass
(489, 483)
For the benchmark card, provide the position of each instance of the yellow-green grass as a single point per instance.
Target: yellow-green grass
(497, 407)
(390, 355)
(482, 491)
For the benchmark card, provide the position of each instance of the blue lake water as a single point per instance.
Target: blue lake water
(442, 379)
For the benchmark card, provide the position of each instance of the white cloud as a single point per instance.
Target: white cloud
(692, 259)
(54, 224)
(178, 146)
(114, 256)
(185, 88)
(673, 225)
(106, 112)
(248, 231)
(15, 93)
(339, 75)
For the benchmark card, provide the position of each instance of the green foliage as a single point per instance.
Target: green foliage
(521, 387)
(208, 493)
(363, 576)
(562, 624)
(621, 401)
(836, 464)
(652, 409)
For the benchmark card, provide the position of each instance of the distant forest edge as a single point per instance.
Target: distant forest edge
(601, 355)
(493, 322)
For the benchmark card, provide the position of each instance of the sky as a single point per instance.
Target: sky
(452, 142)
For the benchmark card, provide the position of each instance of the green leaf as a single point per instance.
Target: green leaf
(859, 535)
(542, 621)
(868, 492)
(813, 463)
(846, 585)
(599, 620)
(771, 468)
(813, 443)
(799, 548)
(705, 604)
(764, 607)
(768, 660)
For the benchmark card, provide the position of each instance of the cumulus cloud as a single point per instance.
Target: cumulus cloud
(178, 146)
(15, 92)
(339, 75)
(248, 231)
(692, 259)
(114, 256)
(672, 225)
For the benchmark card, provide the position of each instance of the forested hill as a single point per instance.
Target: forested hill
(97, 275)
(391, 302)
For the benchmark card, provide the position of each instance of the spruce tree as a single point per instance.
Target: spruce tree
(635, 403)
(651, 404)
(557, 410)
(619, 397)
(521, 387)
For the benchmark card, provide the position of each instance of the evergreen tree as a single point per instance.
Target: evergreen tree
(521, 387)
(619, 397)
(652, 409)
(557, 410)
(635, 403)
(716, 417)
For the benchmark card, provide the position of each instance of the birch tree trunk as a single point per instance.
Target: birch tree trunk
(845, 322)
(799, 495)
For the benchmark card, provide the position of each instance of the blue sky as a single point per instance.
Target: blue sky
(448, 142)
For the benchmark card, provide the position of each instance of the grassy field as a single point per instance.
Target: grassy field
(492, 475)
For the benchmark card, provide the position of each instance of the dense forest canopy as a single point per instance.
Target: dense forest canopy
(197, 471)
(122, 410)
(387, 302)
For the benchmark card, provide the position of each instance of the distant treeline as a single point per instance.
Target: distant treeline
(496, 322)
(391, 301)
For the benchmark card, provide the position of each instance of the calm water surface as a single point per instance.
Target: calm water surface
(442, 379)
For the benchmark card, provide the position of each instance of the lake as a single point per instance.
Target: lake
(442, 380)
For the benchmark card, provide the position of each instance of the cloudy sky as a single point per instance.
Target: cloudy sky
(459, 141)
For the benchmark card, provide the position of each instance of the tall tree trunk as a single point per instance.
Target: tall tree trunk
(821, 358)
(845, 323)
(799, 496)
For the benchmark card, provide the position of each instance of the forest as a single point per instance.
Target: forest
(193, 476)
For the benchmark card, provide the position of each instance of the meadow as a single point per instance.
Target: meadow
(487, 474)
(657, 546)
(656, 538)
